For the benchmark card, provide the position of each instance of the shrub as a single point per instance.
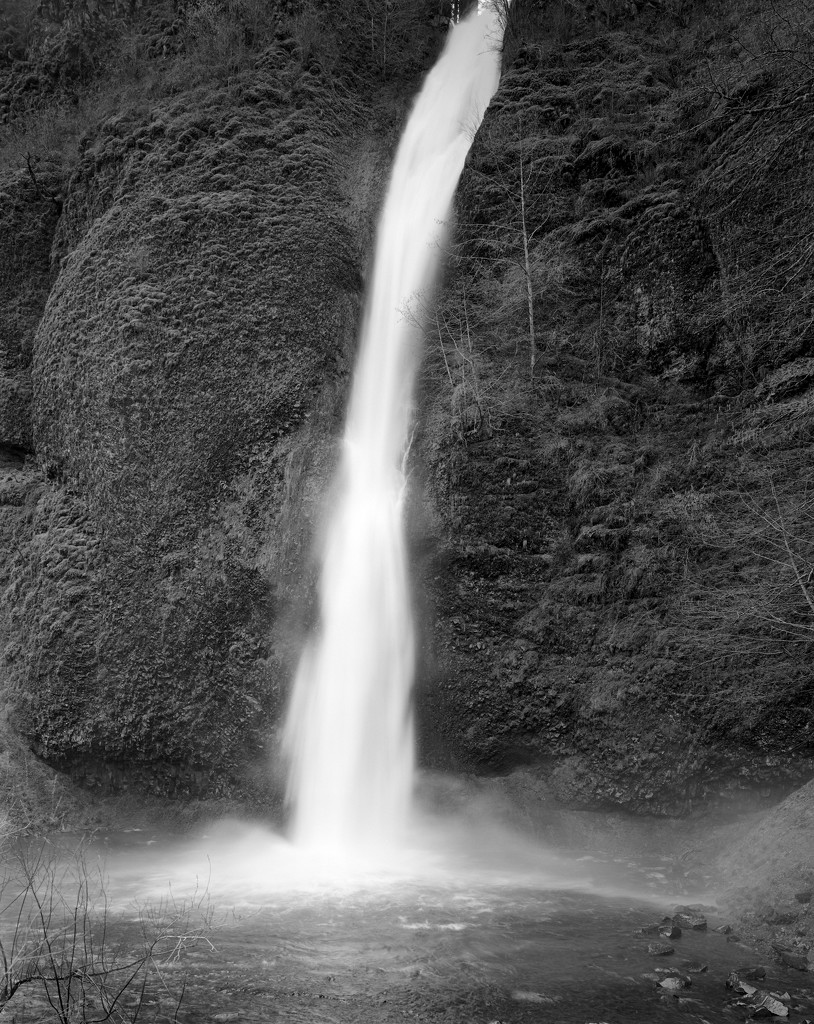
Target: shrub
(58, 939)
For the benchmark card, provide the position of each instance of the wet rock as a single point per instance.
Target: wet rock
(660, 949)
(796, 957)
(733, 938)
(689, 917)
(738, 985)
(673, 984)
(757, 973)
(768, 1006)
(724, 929)
(780, 915)
(695, 966)
(803, 897)
(670, 931)
(799, 961)
(650, 929)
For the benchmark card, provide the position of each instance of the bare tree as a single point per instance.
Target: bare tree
(768, 602)
(512, 184)
(390, 24)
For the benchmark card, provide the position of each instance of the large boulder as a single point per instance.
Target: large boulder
(184, 390)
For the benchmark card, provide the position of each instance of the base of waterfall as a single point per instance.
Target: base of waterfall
(453, 949)
(459, 836)
(472, 918)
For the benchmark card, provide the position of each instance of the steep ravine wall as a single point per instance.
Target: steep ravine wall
(189, 373)
(591, 544)
(612, 599)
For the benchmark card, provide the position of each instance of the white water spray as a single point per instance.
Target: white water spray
(349, 732)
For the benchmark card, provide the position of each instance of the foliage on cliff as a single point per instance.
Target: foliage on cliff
(614, 537)
(625, 558)
(198, 294)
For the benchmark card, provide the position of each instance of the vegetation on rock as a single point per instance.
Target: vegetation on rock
(621, 546)
(614, 529)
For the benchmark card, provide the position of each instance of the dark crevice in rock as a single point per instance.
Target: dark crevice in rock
(13, 456)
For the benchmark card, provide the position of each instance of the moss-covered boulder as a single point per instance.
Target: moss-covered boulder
(184, 378)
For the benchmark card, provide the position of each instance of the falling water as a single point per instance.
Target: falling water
(349, 732)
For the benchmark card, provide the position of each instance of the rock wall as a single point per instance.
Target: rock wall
(188, 373)
(610, 515)
(617, 550)
(27, 222)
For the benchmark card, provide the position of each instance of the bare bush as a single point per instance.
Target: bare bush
(780, 39)
(57, 938)
(391, 26)
(518, 20)
(767, 601)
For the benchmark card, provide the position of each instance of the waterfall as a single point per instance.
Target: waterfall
(349, 729)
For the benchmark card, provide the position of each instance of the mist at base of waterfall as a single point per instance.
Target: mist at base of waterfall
(473, 924)
(466, 850)
(470, 919)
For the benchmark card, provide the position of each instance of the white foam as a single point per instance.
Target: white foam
(349, 729)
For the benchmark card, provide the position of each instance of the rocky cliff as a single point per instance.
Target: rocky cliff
(611, 514)
(617, 537)
(174, 378)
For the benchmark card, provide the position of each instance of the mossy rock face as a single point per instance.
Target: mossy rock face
(184, 385)
(671, 275)
(598, 548)
(27, 221)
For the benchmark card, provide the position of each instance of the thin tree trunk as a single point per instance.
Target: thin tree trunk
(527, 269)
(384, 43)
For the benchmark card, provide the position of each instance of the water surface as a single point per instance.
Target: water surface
(471, 927)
